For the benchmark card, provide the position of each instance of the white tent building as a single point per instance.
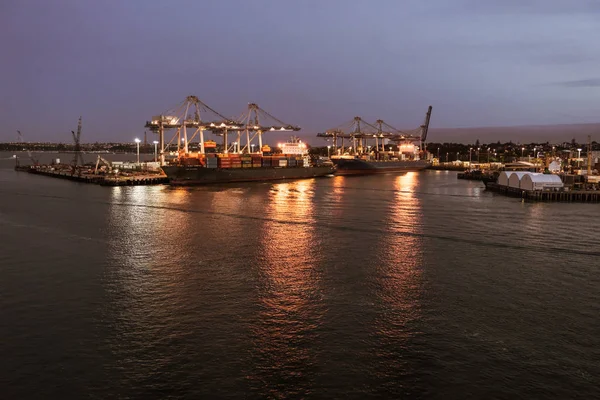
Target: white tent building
(514, 178)
(503, 178)
(540, 182)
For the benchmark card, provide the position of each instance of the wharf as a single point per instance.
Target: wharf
(102, 180)
(571, 196)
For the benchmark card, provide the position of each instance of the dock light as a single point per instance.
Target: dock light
(279, 145)
(155, 143)
(137, 142)
(328, 147)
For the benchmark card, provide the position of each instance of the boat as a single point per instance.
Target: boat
(292, 162)
(369, 154)
(355, 165)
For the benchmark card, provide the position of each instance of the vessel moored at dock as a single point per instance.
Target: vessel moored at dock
(347, 165)
(292, 163)
(370, 154)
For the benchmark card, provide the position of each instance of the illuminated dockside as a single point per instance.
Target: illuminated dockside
(245, 159)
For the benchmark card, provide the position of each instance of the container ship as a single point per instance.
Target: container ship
(292, 163)
(356, 165)
(368, 152)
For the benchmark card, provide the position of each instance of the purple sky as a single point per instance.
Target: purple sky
(312, 63)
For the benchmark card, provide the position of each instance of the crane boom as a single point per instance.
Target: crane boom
(425, 126)
(103, 161)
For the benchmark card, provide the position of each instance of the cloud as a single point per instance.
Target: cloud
(595, 82)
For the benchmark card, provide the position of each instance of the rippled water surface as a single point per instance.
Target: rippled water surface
(416, 285)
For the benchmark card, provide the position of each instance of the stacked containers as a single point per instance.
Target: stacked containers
(211, 161)
(190, 161)
(266, 161)
(291, 161)
(224, 161)
(256, 160)
(275, 161)
(246, 161)
(236, 161)
(283, 162)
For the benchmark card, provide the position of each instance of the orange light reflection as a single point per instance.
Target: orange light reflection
(400, 275)
(290, 294)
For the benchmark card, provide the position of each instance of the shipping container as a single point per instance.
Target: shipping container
(283, 162)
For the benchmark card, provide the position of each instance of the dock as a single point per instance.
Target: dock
(563, 196)
(102, 180)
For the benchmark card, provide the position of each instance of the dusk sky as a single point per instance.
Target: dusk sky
(316, 63)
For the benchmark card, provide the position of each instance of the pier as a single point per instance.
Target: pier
(563, 196)
(102, 180)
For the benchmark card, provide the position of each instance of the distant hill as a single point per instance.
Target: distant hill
(517, 134)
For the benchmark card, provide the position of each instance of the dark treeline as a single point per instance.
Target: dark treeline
(501, 152)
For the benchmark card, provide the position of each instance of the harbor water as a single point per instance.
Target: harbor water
(414, 285)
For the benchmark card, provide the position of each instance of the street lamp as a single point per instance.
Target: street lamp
(470, 150)
(457, 154)
(489, 148)
(155, 143)
(438, 154)
(328, 147)
(447, 157)
(522, 150)
(137, 142)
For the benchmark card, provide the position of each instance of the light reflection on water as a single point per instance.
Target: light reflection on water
(390, 285)
(399, 275)
(289, 293)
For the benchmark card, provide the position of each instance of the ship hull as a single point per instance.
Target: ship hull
(199, 175)
(354, 166)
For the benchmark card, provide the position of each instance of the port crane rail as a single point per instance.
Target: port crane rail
(195, 114)
(360, 131)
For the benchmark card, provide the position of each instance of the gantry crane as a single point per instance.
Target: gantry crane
(193, 113)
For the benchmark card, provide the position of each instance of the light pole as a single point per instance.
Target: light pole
(438, 154)
(137, 142)
(457, 154)
(578, 157)
(489, 154)
(155, 144)
(522, 150)
(470, 150)
(479, 156)
(328, 147)
(447, 158)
